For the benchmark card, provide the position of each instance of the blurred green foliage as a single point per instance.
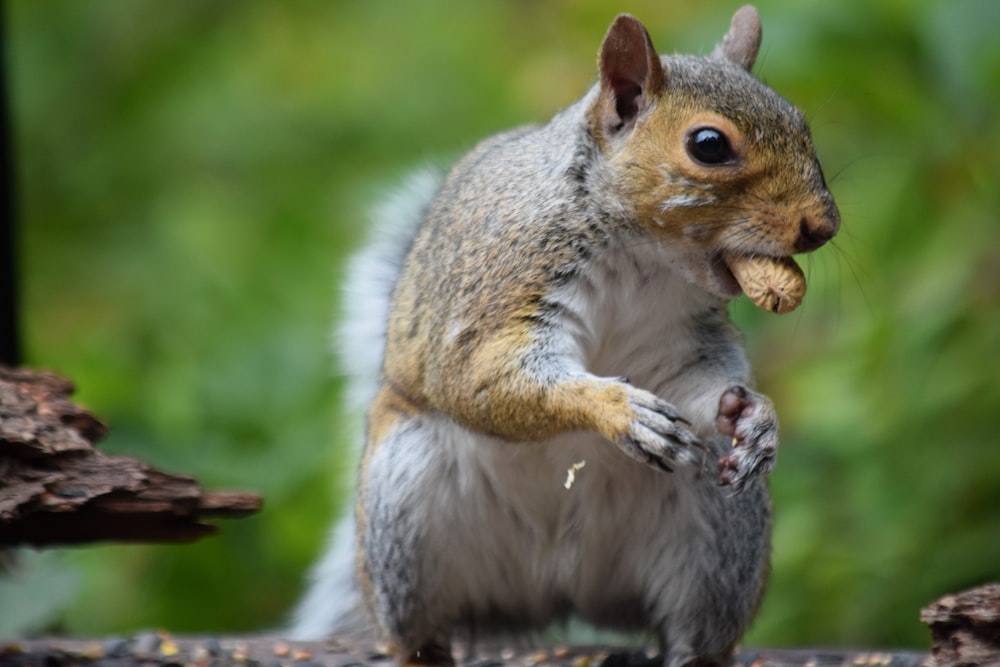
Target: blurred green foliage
(192, 175)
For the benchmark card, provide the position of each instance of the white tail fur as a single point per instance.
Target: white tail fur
(333, 602)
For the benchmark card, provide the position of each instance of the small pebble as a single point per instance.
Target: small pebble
(92, 652)
(201, 656)
(282, 650)
(240, 653)
(146, 645)
(581, 661)
(116, 647)
(301, 655)
(213, 647)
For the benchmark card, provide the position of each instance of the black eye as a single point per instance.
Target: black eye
(708, 145)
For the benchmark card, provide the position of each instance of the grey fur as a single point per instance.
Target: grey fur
(464, 525)
(333, 600)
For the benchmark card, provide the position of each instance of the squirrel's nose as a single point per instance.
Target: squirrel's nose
(814, 233)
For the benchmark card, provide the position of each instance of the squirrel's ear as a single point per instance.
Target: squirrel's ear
(742, 42)
(631, 73)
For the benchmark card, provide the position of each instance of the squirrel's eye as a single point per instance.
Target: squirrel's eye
(709, 146)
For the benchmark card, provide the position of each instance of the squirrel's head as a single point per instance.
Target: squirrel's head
(705, 155)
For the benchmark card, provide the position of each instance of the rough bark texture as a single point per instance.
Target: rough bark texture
(161, 650)
(55, 488)
(965, 627)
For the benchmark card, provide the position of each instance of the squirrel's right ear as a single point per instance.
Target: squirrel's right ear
(631, 73)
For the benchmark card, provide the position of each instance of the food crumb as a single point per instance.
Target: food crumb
(571, 474)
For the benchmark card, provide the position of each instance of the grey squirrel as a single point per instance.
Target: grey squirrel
(556, 308)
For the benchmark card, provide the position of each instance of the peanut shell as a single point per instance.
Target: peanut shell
(775, 285)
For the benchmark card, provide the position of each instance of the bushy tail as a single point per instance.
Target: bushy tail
(333, 603)
(371, 277)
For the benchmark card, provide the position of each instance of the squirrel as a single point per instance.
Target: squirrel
(559, 300)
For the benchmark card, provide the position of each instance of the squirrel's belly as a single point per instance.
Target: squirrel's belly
(515, 548)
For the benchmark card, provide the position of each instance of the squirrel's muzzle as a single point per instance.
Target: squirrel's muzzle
(814, 232)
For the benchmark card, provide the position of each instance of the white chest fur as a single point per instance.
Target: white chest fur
(503, 528)
(633, 314)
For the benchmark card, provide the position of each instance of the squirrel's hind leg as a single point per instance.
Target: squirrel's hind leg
(395, 505)
(711, 607)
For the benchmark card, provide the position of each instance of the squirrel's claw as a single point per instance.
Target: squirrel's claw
(750, 419)
(658, 435)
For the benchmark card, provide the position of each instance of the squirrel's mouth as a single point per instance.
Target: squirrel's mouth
(724, 278)
(776, 284)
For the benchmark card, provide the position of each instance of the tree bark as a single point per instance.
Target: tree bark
(162, 650)
(56, 489)
(965, 627)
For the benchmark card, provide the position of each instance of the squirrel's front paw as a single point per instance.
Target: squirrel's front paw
(656, 434)
(750, 419)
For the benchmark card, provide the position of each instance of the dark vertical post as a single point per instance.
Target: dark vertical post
(10, 343)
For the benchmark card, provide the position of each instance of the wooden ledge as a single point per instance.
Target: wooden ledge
(162, 650)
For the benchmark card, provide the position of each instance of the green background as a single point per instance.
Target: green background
(193, 173)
